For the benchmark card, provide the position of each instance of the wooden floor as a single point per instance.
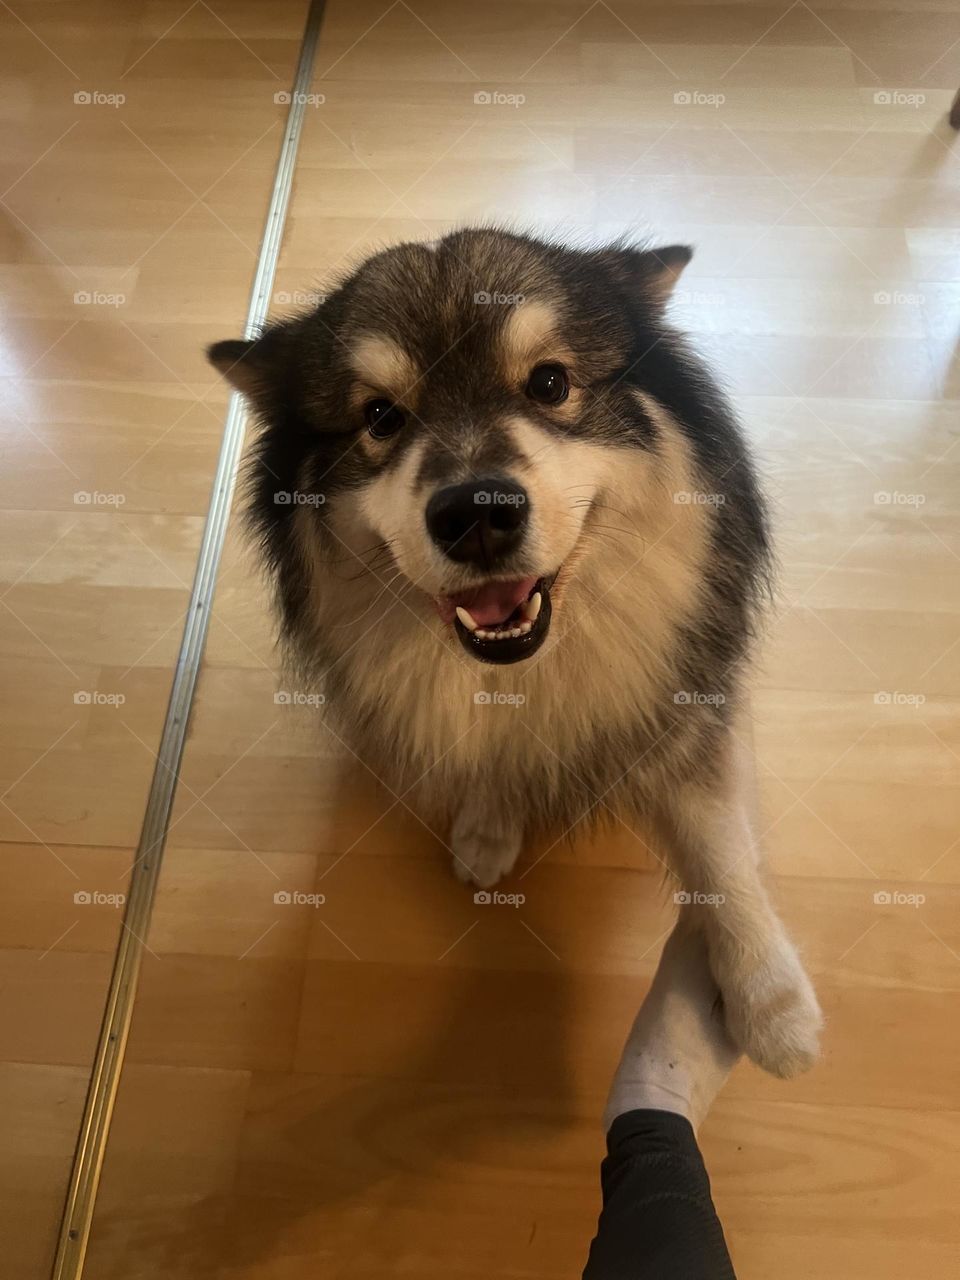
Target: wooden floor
(399, 1082)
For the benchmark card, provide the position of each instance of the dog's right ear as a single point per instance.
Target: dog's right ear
(649, 273)
(254, 366)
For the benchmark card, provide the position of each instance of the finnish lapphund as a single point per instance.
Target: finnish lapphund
(515, 530)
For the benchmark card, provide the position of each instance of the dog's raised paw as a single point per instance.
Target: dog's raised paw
(772, 1013)
(484, 850)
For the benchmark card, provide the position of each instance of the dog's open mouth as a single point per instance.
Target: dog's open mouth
(501, 621)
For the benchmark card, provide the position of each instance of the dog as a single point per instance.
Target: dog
(514, 528)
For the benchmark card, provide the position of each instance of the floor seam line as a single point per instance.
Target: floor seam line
(105, 1073)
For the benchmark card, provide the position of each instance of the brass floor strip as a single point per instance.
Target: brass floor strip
(118, 1014)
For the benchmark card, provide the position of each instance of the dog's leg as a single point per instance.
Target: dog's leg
(485, 840)
(770, 1006)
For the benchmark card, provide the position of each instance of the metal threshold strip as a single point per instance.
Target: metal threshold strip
(118, 1013)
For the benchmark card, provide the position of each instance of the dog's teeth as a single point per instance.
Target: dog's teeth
(531, 609)
(501, 633)
(524, 625)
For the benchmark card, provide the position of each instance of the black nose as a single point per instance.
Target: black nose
(479, 522)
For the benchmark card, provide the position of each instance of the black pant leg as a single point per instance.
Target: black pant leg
(658, 1221)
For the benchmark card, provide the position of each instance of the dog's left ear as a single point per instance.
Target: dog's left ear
(653, 272)
(254, 366)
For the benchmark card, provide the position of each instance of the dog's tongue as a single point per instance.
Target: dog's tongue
(491, 603)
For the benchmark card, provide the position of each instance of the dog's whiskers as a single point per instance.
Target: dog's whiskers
(597, 525)
(386, 587)
(381, 558)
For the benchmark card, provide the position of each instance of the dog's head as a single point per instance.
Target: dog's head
(458, 410)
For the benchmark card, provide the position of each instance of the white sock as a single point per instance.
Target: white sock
(678, 1053)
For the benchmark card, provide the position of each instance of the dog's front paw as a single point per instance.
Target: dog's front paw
(485, 849)
(771, 1011)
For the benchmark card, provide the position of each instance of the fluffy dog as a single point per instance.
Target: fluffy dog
(514, 527)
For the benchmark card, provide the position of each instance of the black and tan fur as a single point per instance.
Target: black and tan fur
(644, 502)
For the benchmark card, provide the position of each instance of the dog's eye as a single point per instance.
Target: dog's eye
(549, 384)
(383, 418)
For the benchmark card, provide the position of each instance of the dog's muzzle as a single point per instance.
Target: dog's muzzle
(482, 523)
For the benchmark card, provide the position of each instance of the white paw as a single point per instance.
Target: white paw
(771, 1010)
(485, 849)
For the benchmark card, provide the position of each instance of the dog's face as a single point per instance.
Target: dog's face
(461, 407)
